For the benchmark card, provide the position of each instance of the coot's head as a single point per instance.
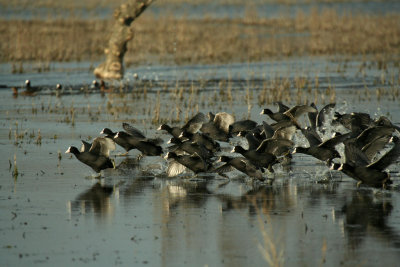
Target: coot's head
(174, 140)
(394, 139)
(266, 111)
(224, 159)
(238, 149)
(72, 150)
(299, 149)
(170, 155)
(95, 84)
(185, 134)
(164, 127)
(242, 133)
(107, 131)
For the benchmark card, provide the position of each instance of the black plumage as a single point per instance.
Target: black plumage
(241, 164)
(258, 158)
(373, 174)
(97, 156)
(135, 139)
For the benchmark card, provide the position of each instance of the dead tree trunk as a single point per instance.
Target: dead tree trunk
(113, 67)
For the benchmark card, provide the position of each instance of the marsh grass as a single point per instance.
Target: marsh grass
(156, 114)
(165, 39)
(175, 102)
(39, 138)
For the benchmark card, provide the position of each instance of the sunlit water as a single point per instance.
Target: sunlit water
(55, 213)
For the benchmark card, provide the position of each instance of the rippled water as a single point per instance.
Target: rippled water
(55, 213)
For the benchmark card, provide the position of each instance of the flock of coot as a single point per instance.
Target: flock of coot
(370, 145)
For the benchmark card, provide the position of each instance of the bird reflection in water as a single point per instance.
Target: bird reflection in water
(96, 200)
(260, 198)
(366, 216)
(189, 194)
(185, 193)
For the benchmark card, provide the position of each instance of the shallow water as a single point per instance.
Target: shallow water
(54, 212)
(213, 9)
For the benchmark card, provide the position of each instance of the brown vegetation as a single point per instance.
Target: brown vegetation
(91, 4)
(181, 40)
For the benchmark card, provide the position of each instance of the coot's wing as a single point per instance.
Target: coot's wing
(102, 146)
(354, 155)
(85, 146)
(312, 117)
(321, 114)
(223, 120)
(312, 136)
(133, 131)
(375, 146)
(389, 157)
(195, 123)
(175, 168)
(281, 107)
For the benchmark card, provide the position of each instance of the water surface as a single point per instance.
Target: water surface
(54, 212)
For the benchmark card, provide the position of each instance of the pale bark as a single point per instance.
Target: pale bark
(112, 67)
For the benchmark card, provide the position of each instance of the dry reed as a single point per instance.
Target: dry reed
(166, 39)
